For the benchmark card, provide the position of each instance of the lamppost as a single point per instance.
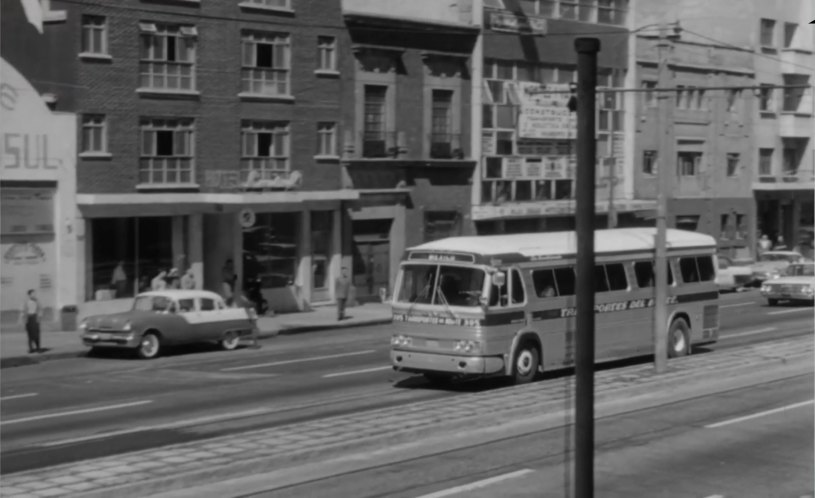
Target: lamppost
(664, 158)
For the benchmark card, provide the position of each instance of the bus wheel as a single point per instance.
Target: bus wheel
(526, 363)
(678, 339)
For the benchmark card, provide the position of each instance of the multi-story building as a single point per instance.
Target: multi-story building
(37, 162)
(407, 146)
(776, 152)
(208, 132)
(526, 175)
(709, 174)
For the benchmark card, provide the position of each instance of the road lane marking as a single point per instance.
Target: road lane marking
(74, 412)
(171, 425)
(477, 484)
(784, 312)
(352, 372)
(715, 496)
(300, 360)
(749, 332)
(759, 414)
(736, 305)
(18, 396)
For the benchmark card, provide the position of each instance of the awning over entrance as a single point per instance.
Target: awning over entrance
(554, 208)
(171, 204)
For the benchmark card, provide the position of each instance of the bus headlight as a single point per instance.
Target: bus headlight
(468, 346)
(765, 288)
(401, 341)
(808, 290)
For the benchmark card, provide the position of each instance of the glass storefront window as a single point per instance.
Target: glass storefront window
(270, 249)
(321, 228)
(126, 254)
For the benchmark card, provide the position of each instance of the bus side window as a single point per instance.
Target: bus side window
(518, 296)
(690, 273)
(707, 271)
(616, 276)
(645, 273)
(600, 282)
(565, 281)
(544, 282)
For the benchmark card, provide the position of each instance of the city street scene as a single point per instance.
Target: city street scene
(407, 248)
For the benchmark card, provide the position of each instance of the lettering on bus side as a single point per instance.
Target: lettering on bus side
(437, 320)
(618, 306)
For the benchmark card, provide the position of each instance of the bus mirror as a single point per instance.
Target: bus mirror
(499, 279)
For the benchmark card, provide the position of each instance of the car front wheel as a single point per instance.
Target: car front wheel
(149, 346)
(230, 341)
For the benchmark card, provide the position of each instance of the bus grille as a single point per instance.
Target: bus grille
(710, 318)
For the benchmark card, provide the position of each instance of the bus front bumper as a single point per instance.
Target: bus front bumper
(410, 361)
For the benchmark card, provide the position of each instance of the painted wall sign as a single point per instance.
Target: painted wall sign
(545, 115)
(26, 211)
(512, 23)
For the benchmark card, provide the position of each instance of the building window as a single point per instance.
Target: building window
(569, 9)
(374, 134)
(688, 163)
(733, 161)
(94, 35)
(94, 133)
(611, 12)
(767, 33)
(649, 98)
(167, 56)
(265, 149)
(327, 139)
(681, 97)
(270, 4)
(790, 28)
(765, 98)
(167, 151)
(649, 162)
(794, 96)
(440, 225)
(266, 64)
(327, 53)
(765, 162)
(791, 160)
(733, 99)
(441, 124)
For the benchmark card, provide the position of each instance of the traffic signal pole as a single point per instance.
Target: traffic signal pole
(587, 49)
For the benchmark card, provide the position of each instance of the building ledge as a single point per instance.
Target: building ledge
(168, 94)
(327, 73)
(90, 56)
(95, 155)
(168, 186)
(327, 158)
(266, 8)
(267, 98)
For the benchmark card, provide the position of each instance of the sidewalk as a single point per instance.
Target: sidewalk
(60, 345)
(301, 452)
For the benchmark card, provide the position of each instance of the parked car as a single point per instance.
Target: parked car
(730, 277)
(796, 284)
(771, 264)
(170, 317)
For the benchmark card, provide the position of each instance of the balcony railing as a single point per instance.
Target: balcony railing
(166, 170)
(379, 144)
(798, 177)
(446, 146)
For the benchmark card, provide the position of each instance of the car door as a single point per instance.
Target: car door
(188, 314)
(210, 326)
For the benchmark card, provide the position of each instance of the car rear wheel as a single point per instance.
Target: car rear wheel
(772, 302)
(678, 339)
(149, 346)
(230, 341)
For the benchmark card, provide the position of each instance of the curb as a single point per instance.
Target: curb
(624, 393)
(32, 359)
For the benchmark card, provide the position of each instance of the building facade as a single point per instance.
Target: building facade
(39, 243)
(407, 147)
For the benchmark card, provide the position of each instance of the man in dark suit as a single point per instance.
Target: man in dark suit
(342, 290)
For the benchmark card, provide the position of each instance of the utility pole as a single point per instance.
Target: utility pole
(612, 169)
(665, 159)
(587, 49)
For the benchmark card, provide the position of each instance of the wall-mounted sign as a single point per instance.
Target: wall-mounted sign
(552, 208)
(26, 211)
(447, 256)
(512, 23)
(487, 144)
(247, 218)
(544, 113)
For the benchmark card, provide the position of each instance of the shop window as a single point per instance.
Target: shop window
(270, 249)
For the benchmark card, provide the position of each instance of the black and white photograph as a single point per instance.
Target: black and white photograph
(407, 248)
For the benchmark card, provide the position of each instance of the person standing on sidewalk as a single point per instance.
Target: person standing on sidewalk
(342, 288)
(31, 318)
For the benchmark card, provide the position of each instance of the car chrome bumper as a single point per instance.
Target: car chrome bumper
(108, 340)
(793, 296)
(409, 361)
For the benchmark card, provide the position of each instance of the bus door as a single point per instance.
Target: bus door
(507, 303)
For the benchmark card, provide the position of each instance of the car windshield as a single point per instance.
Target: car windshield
(800, 271)
(778, 257)
(440, 284)
(158, 304)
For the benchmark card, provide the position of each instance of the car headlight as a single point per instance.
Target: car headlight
(808, 289)
(83, 325)
(468, 346)
(765, 288)
(127, 327)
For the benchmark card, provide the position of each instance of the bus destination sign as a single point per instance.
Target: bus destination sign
(441, 256)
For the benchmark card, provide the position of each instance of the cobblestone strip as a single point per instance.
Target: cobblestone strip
(355, 429)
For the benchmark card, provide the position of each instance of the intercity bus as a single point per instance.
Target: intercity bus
(504, 305)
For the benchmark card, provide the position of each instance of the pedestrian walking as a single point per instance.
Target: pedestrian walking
(32, 312)
(342, 289)
(229, 279)
(764, 243)
(188, 280)
(119, 280)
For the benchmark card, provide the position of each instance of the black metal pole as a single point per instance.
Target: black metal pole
(587, 49)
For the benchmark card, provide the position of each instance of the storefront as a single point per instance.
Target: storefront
(37, 188)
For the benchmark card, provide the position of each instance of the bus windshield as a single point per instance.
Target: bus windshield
(442, 285)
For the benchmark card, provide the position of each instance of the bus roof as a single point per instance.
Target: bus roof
(528, 246)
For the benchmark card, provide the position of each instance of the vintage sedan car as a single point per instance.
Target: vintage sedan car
(796, 284)
(730, 277)
(772, 264)
(170, 317)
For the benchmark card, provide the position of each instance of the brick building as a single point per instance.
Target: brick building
(209, 131)
(407, 146)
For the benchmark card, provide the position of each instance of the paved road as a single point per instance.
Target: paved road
(74, 409)
(753, 442)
